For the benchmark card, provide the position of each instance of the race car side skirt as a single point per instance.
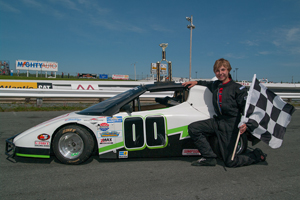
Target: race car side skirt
(32, 152)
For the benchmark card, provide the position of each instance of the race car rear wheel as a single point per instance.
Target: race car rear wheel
(73, 144)
(242, 144)
(240, 149)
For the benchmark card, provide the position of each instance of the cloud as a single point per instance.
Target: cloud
(287, 39)
(160, 28)
(33, 3)
(264, 52)
(115, 25)
(6, 7)
(90, 11)
(69, 4)
(88, 4)
(231, 55)
(250, 43)
(44, 8)
(293, 34)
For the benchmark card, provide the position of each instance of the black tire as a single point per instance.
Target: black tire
(242, 145)
(73, 144)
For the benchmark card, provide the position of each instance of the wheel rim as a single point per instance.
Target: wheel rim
(239, 147)
(71, 145)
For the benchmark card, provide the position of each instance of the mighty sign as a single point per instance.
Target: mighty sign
(36, 65)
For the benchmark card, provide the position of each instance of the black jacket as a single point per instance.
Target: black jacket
(233, 97)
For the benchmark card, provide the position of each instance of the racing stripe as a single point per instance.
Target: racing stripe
(182, 129)
(111, 147)
(33, 156)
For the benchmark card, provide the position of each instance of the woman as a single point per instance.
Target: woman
(229, 100)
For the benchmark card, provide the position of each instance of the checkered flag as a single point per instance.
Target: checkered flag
(266, 114)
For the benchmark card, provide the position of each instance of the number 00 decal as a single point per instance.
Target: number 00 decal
(150, 132)
(134, 133)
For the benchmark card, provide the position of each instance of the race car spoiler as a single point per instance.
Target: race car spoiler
(10, 147)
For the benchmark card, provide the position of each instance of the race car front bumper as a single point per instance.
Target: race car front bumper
(10, 148)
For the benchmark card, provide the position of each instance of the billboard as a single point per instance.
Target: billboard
(36, 65)
(81, 75)
(120, 77)
(103, 76)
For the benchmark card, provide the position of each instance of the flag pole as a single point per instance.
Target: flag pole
(236, 143)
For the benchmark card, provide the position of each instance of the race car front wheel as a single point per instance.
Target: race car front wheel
(73, 144)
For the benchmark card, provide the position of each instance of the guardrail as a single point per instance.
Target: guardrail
(43, 93)
(39, 94)
(106, 89)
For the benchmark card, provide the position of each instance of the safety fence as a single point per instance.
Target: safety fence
(17, 90)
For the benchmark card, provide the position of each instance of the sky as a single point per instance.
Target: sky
(259, 37)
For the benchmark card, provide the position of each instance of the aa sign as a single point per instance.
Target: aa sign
(84, 86)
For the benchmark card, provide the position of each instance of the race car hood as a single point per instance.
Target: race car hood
(48, 127)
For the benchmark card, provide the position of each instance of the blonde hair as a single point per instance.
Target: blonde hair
(222, 62)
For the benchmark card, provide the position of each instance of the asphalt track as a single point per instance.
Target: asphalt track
(163, 178)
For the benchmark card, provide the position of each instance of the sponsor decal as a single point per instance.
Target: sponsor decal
(74, 154)
(95, 119)
(92, 121)
(123, 154)
(84, 86)
(19, 85)
(106, 141)
(110, 134)
(69, 130)
(116, 119)
(43, 136)
(73, 119)
(44, 85)
(42, 143)
(190, 152)
(103, 126)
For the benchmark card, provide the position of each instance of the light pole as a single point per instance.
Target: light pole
(196, 74)
(134, 70)
(191, 27)
(233, 74)
(236, 74)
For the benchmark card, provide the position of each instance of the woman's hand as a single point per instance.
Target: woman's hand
(243, 128)
(190, 83)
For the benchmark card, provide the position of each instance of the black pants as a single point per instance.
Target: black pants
(223, 131)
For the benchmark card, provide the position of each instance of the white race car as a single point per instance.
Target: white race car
(120, 127)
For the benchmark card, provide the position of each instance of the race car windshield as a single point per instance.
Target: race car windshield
(112, 105)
